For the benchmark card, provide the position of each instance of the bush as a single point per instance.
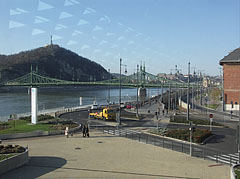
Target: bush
(198, 135)
(27, 118)
(44, 117)
(4, 125)
(11, 149)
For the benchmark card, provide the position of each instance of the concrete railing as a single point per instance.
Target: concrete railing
(232, 173)
(14, 162)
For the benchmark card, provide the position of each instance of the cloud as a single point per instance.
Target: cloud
(89, 11)
(139, 34)
(60, 26)
(70, 2)
(71, 42)
(76, 32)
(114, 46)
(17, 11)
(131, 42)
(44, 6)
(97, 28)
(14, 24)
(64, 15)
(37, 31)
(56, 37)
(110, 34)
(120, 38)
(107, 54)
(129, 29)
(40, 19)
(85, 47)
(103, 42)
(105, 18)
(82, 22)
(97, 51)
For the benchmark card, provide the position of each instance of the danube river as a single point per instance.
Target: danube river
(18, 101)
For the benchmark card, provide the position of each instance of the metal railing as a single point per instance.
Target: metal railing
(164, 142)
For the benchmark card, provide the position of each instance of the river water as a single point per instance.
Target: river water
(18, 101)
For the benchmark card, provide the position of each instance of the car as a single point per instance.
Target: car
(129, 106)
(95, 106)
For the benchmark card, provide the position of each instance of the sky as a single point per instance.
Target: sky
(158, 33)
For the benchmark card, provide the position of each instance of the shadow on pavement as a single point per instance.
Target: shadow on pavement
(217, 139)
(36, 167)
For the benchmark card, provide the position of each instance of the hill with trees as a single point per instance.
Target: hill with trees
(51, 61)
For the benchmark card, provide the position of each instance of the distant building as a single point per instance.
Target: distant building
(231, 76)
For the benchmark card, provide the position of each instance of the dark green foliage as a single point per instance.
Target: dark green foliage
(27, 118)
(198, 135)
(52, 61)
(4, 125)
(44, 117)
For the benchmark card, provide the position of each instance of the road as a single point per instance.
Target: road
(223, 143)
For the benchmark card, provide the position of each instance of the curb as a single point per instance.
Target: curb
(178, 140)
(207, 139)
(14, 162)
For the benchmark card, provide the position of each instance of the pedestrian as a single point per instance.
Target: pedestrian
(163, 112)
(84, 131)
(66, 132)
(87, 131)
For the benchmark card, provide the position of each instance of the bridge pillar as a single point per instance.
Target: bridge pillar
(34, 105)
(142, 92)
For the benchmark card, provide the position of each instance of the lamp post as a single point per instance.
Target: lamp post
(169, 97)
(188, 91)
(239, 131)
(109, 87)
(120, 88)
(137, 94)
(221, 74)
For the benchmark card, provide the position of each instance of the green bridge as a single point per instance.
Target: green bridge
(142, 78)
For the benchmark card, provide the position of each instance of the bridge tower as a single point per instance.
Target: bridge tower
(34, 101)
(142, 90)
(144, 73)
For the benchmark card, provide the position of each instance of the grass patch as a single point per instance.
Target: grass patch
(23, 125)
(3, 157)
(195, 121)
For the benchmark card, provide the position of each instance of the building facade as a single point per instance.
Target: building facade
(231, 77)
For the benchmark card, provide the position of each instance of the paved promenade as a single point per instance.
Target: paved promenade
(106, 156)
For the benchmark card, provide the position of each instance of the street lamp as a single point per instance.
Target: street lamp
(188, 91)
(221, 76)
(137, 93)
(120, 88)
(109, 88)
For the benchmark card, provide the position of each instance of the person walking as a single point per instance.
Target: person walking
(84, 131)
(87, 131)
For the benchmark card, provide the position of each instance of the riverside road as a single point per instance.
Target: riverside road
(224, 141)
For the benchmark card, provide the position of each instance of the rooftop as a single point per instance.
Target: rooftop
(232, 57)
